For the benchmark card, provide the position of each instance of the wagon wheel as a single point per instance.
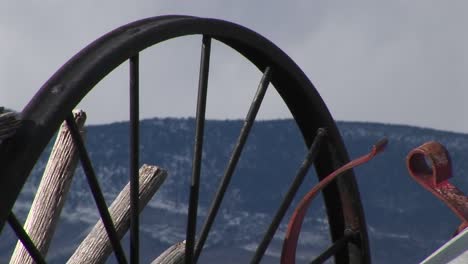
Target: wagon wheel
(65, 89)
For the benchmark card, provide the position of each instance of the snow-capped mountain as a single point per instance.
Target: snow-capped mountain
(405, 222)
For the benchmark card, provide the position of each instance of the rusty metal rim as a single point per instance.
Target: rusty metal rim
(64, 90)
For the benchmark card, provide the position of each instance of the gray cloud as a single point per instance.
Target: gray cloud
(388, 61)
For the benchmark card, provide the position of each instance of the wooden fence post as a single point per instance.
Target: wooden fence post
(96, 247)
(48, 202)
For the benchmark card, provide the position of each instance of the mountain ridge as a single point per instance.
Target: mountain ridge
(404, 221)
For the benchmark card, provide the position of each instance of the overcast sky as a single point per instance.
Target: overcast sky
(401, 62)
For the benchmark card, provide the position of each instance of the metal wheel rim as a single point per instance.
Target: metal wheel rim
(63, 91)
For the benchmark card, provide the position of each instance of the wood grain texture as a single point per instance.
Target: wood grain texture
(173, 255)
(51, 194)
(96, 247)
(9, 122)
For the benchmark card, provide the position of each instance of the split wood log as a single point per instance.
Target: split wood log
(96, 247)
(48, 202)
(173, 255)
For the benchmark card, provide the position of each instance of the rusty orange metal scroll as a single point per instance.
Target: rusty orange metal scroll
(430, 165)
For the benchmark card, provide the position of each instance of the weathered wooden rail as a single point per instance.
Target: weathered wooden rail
(96, 247)
(9, 121)
(52, 192)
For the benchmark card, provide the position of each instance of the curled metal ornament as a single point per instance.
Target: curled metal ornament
(288, 255)
(430, 165)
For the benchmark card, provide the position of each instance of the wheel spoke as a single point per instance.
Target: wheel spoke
(310, 157)
(96, 190)
(337, 246)
(253, 110)
(198, 149)
(134, 159)
(25, 239)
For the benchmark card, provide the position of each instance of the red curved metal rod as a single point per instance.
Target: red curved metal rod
(430, 165)
(288, 255)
